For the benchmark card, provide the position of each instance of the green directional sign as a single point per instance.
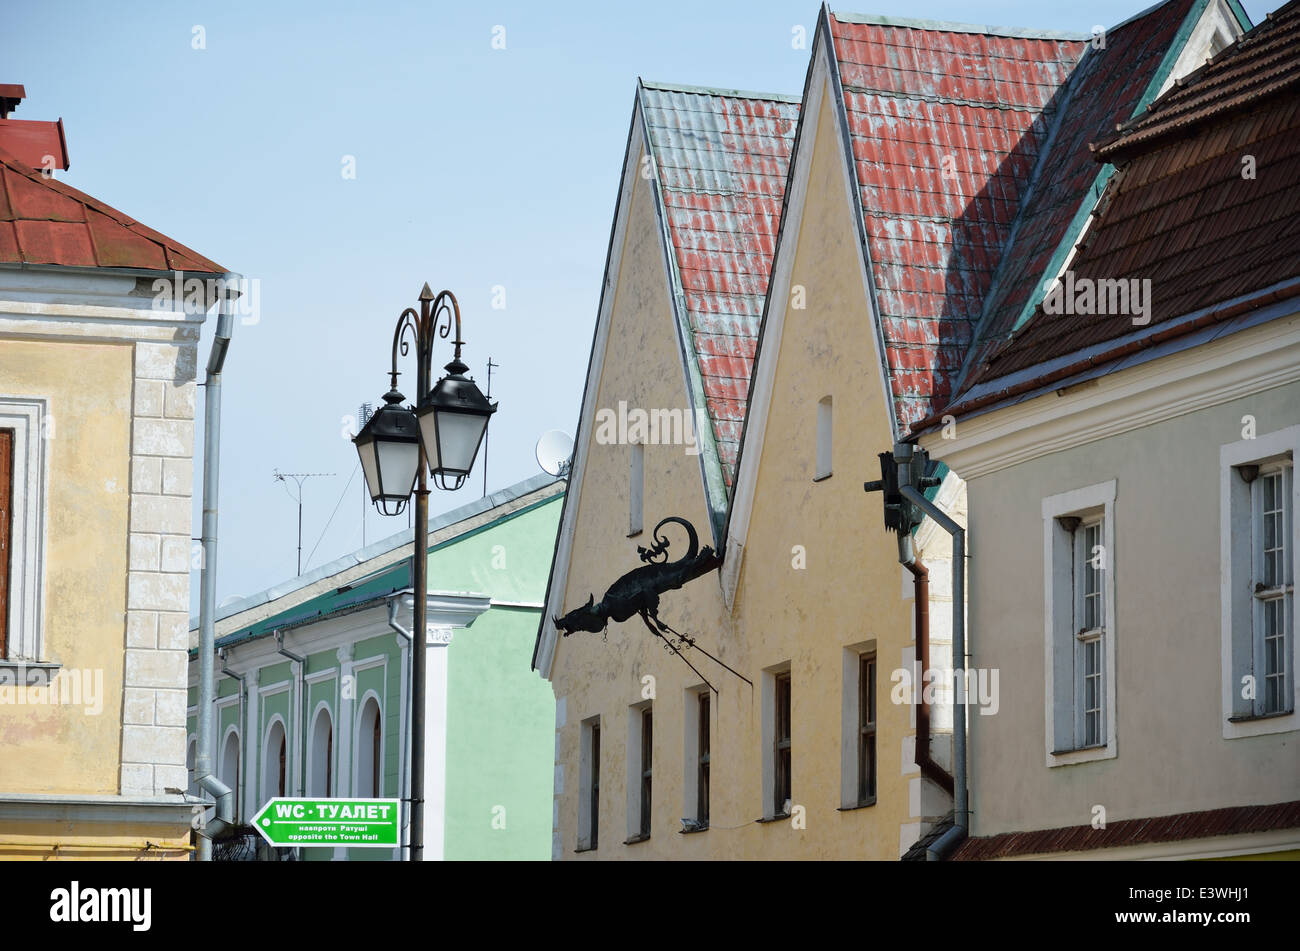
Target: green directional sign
(356, 823)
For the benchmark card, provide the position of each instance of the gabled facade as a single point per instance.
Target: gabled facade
(313, 684)
(98, 351)
(1129, 455)
(918, 149)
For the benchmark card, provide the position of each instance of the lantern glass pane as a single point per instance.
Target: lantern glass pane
(398, 465)
(457, 439)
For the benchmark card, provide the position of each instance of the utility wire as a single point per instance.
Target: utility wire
(335, 512)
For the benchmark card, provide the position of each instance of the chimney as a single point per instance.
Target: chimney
(40, 146)
(10, 95)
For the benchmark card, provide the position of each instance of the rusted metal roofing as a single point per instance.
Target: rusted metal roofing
(1108, 87)
(39, 144)
(44, 221)
(1234, 820)
(947, 124)
(1184, 212)
(722, 158)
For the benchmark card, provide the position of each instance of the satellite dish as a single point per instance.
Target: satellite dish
(555, 453)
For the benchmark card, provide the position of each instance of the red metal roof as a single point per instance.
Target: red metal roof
(1235, 820)
(39, 144)
(1100, 95)
(1180, 213)
(723, 158)
(947, 124)
(44, 221)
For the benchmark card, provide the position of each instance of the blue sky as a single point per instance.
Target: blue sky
(476, 168)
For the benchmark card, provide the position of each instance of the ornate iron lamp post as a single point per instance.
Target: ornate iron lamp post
(400, 447)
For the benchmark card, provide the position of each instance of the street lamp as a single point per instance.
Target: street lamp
(399, 448)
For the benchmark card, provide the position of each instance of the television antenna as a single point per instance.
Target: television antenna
(299, 478)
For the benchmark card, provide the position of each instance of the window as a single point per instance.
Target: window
(23, 426)
(1078, 558)
(1273, 588)
(781, 744)
(322, 755)
(702, 765)
(635, 488)
(1090, 619)
(823, 470)
(229, 773)
(647, 768)
(640, 748)
(697, 747)
(589, 781)
(1259, 540)
(867, 729)
(273, 761)
(6, 506)
(370, 751)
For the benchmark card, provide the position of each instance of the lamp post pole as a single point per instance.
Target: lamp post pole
(445, 428)
(420, 576)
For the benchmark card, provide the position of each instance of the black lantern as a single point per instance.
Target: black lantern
(453, 419)
(389, 446)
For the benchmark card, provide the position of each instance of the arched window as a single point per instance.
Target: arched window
(273, 761)
(322, 755)
(370, 738)
(229, 771)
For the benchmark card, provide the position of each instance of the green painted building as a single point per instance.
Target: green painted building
(313, 682)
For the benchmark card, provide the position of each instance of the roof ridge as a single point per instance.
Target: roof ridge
(949, 26)
(719, 91)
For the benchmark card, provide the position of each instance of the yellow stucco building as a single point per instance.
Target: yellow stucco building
(97, 394)
(806, 278)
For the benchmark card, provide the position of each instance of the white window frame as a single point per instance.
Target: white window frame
(768, 726)
(691, 751)
(635, 489)
(635, 713)
(1241, 634)
(850, 723)
(29, 419)
(588, 767)
(1064, 644)
(825, 435)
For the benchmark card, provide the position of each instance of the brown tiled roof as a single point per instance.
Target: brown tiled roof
(1234, 820)
(1180, 212)
(44, 221)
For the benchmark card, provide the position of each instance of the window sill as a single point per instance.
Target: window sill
(636, 533)
(865, 804)
(1079, 749)
(780, 817)
(1082, 754)
(1252, 717)
(823, 478)
(584, 848)
(30, 673)
(633, 840)
(703, 828)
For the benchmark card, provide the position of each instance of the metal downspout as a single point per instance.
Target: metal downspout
(204, 777)
(406, 734)
(961, 807)
(302, 710)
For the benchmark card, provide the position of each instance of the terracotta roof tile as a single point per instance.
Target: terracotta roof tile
(44, 221)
